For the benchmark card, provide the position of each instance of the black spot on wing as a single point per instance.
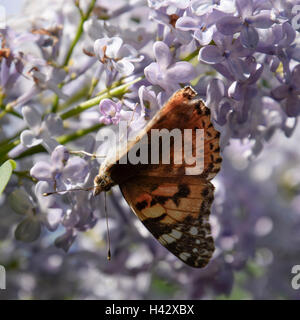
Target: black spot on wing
(141, 205)
(183, 192)
(157, 228)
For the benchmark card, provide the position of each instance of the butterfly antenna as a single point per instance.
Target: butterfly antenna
(108, 235)
(46, 194)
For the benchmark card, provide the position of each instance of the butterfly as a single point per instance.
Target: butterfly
(173, 206)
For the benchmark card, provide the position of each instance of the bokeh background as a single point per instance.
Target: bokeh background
(255, 219)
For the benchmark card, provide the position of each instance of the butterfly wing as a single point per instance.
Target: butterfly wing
(176, 212)
(182, 111)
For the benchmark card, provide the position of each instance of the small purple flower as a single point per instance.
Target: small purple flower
(111, 111)
(239, 89)
(246, 23)
(226, 57)
(202, 31)
(149, 102)
(44, 77)
(61, 172)
(116, 55)
(48, 79)
(40, 132)
(278, 44)
(290, 92)
(80, 216)
(168, 30)
(12, 58)
(217, 101)
(165, 73)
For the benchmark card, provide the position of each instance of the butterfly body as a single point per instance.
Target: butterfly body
(173, 205)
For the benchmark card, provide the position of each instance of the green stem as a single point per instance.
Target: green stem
(191, 56)
(72, 46)
(79, 32)
(6, 148)
(14, 113)
(115, 92)
(79, 95)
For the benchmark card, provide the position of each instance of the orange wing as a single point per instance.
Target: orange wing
(182, 111)
(176, 212)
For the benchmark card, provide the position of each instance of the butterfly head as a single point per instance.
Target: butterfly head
(102, 183)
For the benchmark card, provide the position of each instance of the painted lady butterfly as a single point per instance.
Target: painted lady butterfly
(173, 206)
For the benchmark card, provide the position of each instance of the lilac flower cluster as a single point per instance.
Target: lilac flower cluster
(83, 65)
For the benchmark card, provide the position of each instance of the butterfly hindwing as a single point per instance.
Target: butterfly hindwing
(176, 211)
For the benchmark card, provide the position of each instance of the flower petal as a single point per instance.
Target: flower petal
(244, 7)
(53, 218)
(113, 46)
(42, 171)
(153, 73)
(229, 25)
(236, 91)
(53, 124)
(76, 170)
(262, 20)
(280, 92)
(181, 72)
(107, 107)
(125, 67)
(28, 139)
(211, 54)
(162, 54)
(60, 156)
(204, 37)
(292, 106)
(249, 37)
(99, 48)
(32, 117)
(296, 76)
(214, 93)
(187, 23)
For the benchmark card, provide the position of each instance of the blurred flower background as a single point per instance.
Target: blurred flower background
(70, 68)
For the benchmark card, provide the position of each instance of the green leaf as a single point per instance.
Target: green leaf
(5, 173)
(28, 230)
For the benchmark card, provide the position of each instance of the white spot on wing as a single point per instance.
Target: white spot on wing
(176, 234)
(184, 256)
(193, 231)
(167, 238)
